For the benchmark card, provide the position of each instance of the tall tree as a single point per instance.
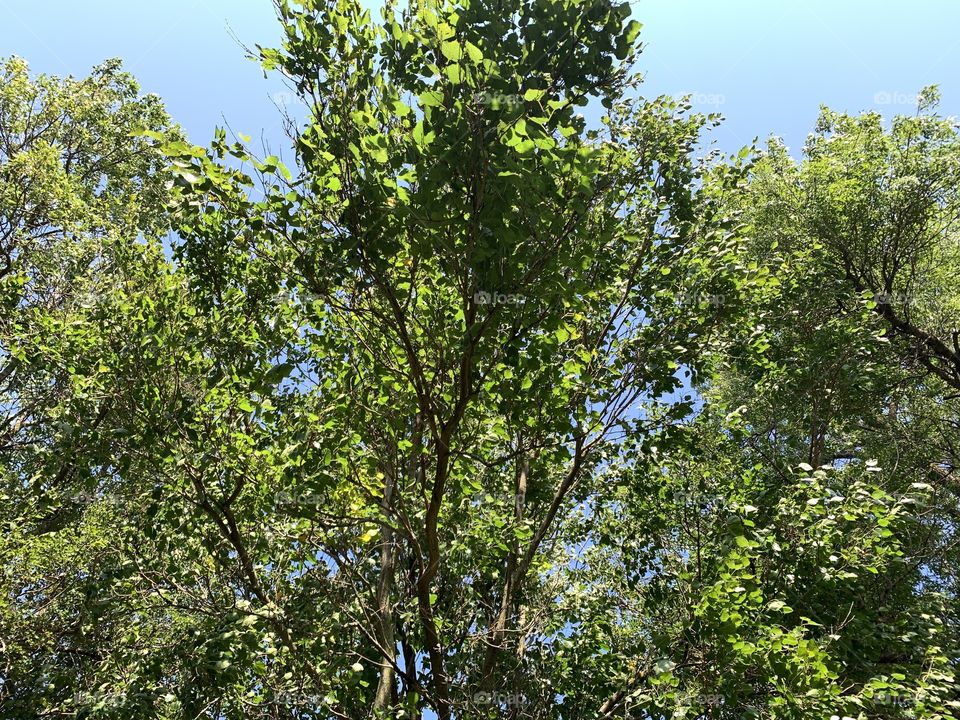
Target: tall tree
(488, 300)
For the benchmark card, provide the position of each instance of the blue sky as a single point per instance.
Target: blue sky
(766, 66)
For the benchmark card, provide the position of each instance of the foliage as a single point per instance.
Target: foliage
(472, 409)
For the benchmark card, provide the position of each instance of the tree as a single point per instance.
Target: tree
(484, 300)
(475, 410)
(853, 381)
(82, 209)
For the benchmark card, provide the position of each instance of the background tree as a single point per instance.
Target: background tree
(852, 381)
(81, 214)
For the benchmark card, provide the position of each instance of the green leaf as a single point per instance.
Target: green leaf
(452, 50)
(476, 56)
(431, 98)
